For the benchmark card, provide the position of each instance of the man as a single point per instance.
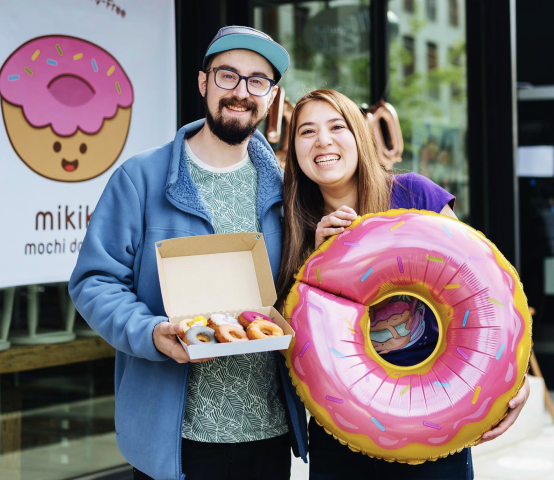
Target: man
(228, 417)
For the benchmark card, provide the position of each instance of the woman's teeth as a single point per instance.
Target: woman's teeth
(327, 159)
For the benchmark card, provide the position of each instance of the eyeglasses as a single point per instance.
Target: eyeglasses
(229, 80)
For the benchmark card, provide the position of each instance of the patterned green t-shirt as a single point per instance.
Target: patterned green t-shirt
(232, 399)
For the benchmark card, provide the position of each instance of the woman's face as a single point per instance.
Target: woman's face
(325, 147)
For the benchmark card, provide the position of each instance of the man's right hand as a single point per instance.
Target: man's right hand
(166, 342)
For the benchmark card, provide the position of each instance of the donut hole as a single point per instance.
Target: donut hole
(202, 337)
(266, 331)
(403, 330)
(235, 335)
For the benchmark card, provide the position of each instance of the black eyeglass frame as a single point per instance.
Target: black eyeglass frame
(241, 77)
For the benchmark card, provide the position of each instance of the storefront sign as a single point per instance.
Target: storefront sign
(84, 85)
(339, 31)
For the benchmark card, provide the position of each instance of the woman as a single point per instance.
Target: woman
(332, 173)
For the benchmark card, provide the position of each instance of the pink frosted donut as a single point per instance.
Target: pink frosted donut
(246, 318)
(50, 76)
(425, 411)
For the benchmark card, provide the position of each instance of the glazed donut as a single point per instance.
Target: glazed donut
(261, 329)
(230, 333)
(217, 319)
(446, 402)
(199, 336)
(246, 318)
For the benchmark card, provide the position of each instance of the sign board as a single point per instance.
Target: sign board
(84, 85)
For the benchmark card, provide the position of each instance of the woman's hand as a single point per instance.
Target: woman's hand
(334, 224)
(516, 404)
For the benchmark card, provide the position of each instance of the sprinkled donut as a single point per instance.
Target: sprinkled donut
(199, 336)
(217, 319)
(439, 406)
(67, 107)
(246, 318)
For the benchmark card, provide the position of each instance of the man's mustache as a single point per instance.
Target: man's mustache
(235, 102)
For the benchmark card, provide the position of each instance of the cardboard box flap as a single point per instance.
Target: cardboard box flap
(214, 273)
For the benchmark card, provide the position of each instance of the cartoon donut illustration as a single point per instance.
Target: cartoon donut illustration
(66, 104)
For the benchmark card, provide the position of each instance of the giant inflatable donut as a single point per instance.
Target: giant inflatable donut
(437, 407)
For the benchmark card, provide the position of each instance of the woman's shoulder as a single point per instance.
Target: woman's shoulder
(412, 190)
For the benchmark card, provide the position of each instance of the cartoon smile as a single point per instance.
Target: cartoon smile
(70, 166)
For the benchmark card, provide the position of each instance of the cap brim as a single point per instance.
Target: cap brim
(272, 51)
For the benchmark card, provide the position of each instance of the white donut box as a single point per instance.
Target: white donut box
(223, 273)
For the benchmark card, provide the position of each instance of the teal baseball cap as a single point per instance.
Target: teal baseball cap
(237, 37)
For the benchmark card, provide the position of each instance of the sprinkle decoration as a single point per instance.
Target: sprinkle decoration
(462, 353)
(59, 49)
(77, 56)
(94, 66)
(334, 399)
(52, 62)
(476, 395)
(442, 384)
(28, 70)
(499, 354)
(400, 264)
(350, 327)
(435, 259)
(318, 272)
(110, 71)
(304, 348)
(465, 318)
(118, 87)
(475, 259)
(376, 422)
(351, 244)
(35, 55)
(366, 274)
(399, 224)
(492, 300)
(13, 78)
(446, 230)
(315, 307)
(405, 389)
(432, 425)
(338, 354)
(452, 286)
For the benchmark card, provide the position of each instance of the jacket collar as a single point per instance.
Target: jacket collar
(183, 191)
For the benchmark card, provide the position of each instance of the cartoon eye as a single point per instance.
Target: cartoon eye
(57, 146)
(83, 148)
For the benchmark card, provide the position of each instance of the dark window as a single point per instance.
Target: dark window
(432, 64)
(409, 63)
(431, 9)
(453, 12)
(409, 6)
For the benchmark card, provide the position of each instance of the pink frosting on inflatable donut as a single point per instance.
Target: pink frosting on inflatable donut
(330, 357)
(65, 82)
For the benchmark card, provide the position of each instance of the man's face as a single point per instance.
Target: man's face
(234, 115)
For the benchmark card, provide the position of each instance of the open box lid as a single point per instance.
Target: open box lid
(212, 273)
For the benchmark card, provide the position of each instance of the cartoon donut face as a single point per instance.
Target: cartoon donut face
(76, 158)
(67, 107)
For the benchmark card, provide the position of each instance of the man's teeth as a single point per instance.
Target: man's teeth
(236, 108)
(327, 159)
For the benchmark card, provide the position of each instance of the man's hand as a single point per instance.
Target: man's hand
(166, 342)
(516, 404)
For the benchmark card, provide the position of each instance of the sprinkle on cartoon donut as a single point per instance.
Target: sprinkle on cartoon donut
(67, 107)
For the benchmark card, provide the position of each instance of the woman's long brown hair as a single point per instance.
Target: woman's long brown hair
(302, 198)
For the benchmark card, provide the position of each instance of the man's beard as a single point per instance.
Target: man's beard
(232, 131)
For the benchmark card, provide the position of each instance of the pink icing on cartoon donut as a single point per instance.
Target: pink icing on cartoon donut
(409, 414)
(66, 105)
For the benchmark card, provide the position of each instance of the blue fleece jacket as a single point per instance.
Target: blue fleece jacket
(115, 287)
